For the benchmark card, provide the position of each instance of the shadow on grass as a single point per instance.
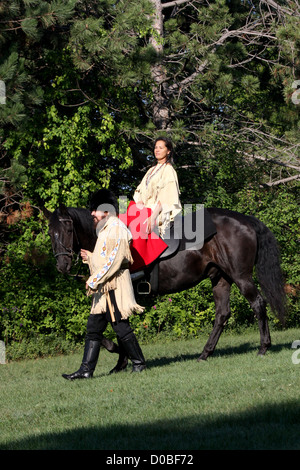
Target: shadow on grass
(219, 352)
(269, 427)
(245, 348)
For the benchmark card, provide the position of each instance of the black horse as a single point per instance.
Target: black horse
(241, 243)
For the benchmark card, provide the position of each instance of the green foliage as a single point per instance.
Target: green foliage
(68, 150)
(37, 345)
(182, 314)
(279, 210)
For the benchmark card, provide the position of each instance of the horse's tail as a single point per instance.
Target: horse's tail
(268, 269)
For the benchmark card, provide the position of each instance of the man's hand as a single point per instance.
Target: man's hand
(150, 224)
(83, 254)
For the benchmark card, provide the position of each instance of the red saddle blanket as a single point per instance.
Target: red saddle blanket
(145, 247)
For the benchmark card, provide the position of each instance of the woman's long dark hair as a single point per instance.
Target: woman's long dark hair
(169, 146)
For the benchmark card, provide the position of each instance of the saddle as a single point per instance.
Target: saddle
(188, 232)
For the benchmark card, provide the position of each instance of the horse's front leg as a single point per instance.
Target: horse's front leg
(221, 292)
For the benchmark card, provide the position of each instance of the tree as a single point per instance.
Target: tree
(28, 31)
(196, 71)
(191, 69)
(216, 61)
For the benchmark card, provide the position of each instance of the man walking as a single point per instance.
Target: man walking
(110, 285)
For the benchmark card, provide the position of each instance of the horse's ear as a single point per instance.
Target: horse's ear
(46, 212)
(63, 209)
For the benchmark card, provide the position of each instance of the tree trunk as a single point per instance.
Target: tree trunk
(160, 108)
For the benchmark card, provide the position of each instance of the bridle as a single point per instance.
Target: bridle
(67, 251)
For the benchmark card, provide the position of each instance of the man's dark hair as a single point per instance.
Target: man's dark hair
(106, 199)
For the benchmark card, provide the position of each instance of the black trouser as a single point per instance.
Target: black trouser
(128, 344)
(97, 323)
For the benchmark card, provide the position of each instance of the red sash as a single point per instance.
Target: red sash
(145, 248)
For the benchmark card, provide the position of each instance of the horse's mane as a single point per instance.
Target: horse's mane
(82, 217)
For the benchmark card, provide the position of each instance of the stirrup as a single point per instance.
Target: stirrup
(144, 288)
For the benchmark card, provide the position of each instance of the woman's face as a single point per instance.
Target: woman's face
(161, 151)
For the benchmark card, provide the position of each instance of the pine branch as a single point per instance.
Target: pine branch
(174, 4)
(278, 7)
(284, 180)
(187, 81)
(272, 160)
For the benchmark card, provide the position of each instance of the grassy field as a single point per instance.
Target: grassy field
(234, 400)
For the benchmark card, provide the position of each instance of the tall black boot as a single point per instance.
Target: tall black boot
(134, 352)
(122, 361)
(89, 361)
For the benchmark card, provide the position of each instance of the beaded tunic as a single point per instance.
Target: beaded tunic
(109, 267)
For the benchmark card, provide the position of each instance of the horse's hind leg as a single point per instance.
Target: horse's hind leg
(258, 305)
(221, 291)
(109, 345)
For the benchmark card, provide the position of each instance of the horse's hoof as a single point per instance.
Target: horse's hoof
(262, 352)
(119, 368)
(201, 359)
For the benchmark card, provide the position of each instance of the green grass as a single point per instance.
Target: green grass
(234, 400)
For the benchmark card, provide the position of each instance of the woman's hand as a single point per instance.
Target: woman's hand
(140, 205)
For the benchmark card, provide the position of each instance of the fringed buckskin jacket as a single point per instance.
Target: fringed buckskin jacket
(109, 268)
(160, 183)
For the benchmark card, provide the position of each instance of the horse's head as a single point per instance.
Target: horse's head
(62, 234)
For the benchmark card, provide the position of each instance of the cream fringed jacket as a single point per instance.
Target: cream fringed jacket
(160, 183)
(109, 265)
